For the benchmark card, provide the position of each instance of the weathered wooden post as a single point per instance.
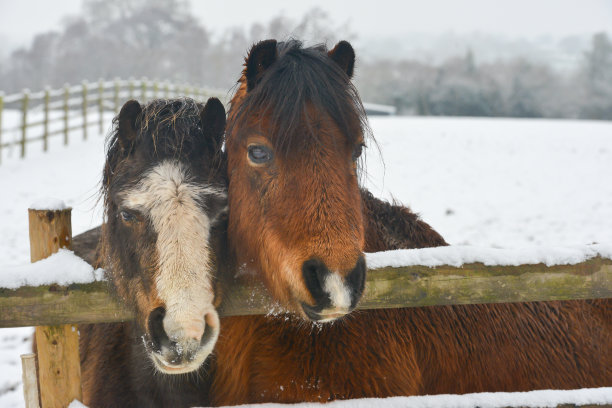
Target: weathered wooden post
(143, 89)
(66, 112)
(101, 105)
(84, 109)
(46, 119)
(131, 88)
(57, 346)
(29, 377)
(24, 120)
(116, 95)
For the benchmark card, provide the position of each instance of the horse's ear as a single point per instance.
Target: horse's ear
(213, 122)
(128, 115)
(344, 55)
(262, 55)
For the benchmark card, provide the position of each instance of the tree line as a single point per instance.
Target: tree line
(162, 39)
(511, 88)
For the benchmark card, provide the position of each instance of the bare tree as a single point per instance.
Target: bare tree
(596, 78)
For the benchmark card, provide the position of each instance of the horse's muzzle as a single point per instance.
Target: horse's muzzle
(334, 295)
(179, 352)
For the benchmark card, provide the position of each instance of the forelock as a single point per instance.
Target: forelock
(295, 89)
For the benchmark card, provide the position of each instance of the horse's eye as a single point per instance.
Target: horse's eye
(358, 150)
(128, 216)
(259, 154)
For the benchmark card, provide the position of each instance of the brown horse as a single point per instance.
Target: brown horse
(299, 221)
(165, 202)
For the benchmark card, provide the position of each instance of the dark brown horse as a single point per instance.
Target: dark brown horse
(164, 191)
(299, 221)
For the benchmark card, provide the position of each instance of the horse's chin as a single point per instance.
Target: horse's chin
(165, 360)
(324, 316)
(165, 367)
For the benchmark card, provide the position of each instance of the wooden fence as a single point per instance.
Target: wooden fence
(56, 309)
(408, 286)
(74, 108)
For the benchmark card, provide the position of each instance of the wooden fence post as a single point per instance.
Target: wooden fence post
(46, 120)
(143, 89)
(131, 88)
(1, 109)
(84, 109)
(116, 95)
(24, 121)
(101, 105)
(66, 112)
(57, 346)
(29, 377)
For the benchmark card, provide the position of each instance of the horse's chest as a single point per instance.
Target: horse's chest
(319, 368)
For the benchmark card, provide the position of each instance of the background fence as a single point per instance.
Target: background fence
(75, 108)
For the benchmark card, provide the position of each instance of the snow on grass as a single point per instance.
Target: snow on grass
(540, 398)
(499, 182)
(63, 268)
(13, 343)
(70, 173)
(459, 255)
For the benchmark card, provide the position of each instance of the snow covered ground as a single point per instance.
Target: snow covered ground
(499, 182)
(481, 182)
(540, 398)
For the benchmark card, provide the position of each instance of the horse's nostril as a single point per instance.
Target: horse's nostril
(156, 328)
(355, 280)
(211, 324)
(314, 272)
(212, 320)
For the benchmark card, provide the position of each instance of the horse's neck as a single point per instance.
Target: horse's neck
(87, 246)
(389, 226)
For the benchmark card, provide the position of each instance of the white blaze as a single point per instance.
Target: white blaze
(183, 279)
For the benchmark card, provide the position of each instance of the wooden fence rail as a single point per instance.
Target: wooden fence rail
(64, 111)
(56, 309)
(410, 286)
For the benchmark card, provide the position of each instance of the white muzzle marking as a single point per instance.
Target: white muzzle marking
(184, 278)
(340, 297)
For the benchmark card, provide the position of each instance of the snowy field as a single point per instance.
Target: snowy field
(482, 182)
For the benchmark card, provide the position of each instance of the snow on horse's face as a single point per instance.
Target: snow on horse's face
(295, 133)
(164, 198)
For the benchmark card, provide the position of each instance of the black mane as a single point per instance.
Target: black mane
(299, 79)
(167, 129)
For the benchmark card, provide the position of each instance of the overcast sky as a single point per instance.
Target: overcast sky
(21, 19)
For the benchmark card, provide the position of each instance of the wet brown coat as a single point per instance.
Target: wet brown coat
(381, 353)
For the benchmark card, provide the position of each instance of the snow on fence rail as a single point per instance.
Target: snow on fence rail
(404, 278)
(77, 103)
(426, 277)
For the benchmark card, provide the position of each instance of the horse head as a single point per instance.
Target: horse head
(296, 130)
(165, 199)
